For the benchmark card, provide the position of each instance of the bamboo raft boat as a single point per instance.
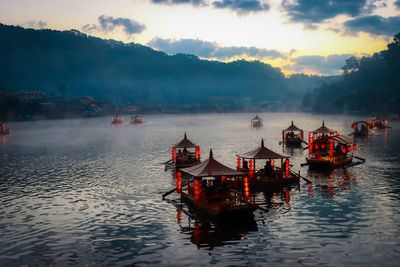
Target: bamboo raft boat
(209, 189)
(328, 150)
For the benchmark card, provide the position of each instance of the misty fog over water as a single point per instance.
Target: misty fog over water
(86, 192)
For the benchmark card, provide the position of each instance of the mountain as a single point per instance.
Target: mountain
(370, 84)
(75, 64)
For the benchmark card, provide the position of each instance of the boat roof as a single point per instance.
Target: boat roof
(378, 118)
(256, 117)
(262, 153)
(342, 139)
(323, 129)
(293, 128)
(211, 168)
(185, 143)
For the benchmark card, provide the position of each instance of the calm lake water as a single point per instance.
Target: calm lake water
(83, 192)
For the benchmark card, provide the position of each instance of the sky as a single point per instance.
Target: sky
(298, 36)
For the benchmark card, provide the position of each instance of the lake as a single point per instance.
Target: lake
(82, 192)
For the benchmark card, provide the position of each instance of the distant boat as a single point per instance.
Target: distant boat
(137, 119)
(4, 130)
(256, 122)
(361, 128)
(117, 119)
(378, 122)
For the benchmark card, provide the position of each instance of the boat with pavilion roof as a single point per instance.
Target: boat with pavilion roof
(329, 150)
(361, 128)
(293, 136)
(378, 122)
(4, 130)
(185, 153)
(270, 175)
(256, 122)
(211, 188)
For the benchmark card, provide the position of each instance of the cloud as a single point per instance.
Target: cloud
(397, 3)
(315, 11)
(242, 6)
(175, 2)
(325, 65)
(376, 25)
(34, 24)
(108, 24)
(207, 49)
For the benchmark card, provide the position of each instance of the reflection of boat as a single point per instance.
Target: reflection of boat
(209, 234)
(209, 189)
(292, 136)
(185, 156)
(256, 122)
(4, 130)
(137, 119)
(270, 175)
(117, 119)
(328, 150)
(360, 128)
(378, 123)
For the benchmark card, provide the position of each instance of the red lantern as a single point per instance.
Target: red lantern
(272, 162)
(354, 147)
(251, 168)
(178, 182)
(173, 154)
(246, 187)
(223, 178)
(316, 146)
(196, 190)
(238, 166)
(323, 146)
(348, 148)
(385, 122)
(287, 171)
(198, 154)
(331, 148)
(344, 150)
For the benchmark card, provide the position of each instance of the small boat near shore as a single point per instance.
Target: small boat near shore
(137, 119)
(4, 130)
(269, 176)
(209, 188)
(117, 119)
(328, 150)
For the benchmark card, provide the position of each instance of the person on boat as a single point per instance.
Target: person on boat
(245, 165)
(267, 168)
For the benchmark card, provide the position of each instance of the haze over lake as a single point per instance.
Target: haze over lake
(84, 192)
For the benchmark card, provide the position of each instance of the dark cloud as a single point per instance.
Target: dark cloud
(325, 65)
(242, 6)
(397, 3)
(210, 49)
(376, 25)
(34, 24)
(108, 24)
(174, 2)
(315, 11)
